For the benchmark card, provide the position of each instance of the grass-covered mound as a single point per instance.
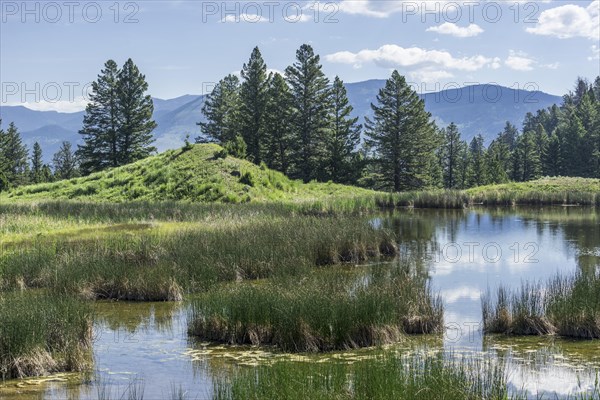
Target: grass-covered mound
(204, 173)
(42, 333)
(322, 312)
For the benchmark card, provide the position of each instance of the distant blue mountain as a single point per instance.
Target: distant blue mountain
(479, 109)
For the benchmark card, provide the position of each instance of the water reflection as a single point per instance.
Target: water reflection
(468, 252)
(462, 252)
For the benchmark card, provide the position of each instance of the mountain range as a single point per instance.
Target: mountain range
(477, 109)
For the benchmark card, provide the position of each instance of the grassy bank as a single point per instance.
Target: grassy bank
(387, 376)
(203, 174)
(322, 312)
(43, 333)
(566, 306)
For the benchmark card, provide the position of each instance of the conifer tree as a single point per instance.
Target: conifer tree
(497, 161)
(134, 139)
(341, 162)
(450, 156)
(253, 103)
(65, 162)
(310, 94)
(278, 126)
(552, 158)
(478, 170)
(528, 157)
(402, 136)
(221, 111)
(37, 164)
(117, 127)
(101, 123)
(13, 154)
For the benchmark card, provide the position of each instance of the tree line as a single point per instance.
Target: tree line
(302, 124)
(18, 168)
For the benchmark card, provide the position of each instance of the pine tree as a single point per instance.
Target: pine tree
(310, 94)
(450, 156)
(596, 88)
(14, 155)
(37, 164)
(221, 111)
(572, 133)
(509, 135)
(278, 127)
(551, 162)
(497, 161)
(101, 123)
(65, 162)
(528, 156)
(253, 103)
(3, 161)
(478, 170)
(402, 136)
(341, 161)
(462, 176)
(134, 138)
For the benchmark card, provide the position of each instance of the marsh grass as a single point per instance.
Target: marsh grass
(574, 305)
(566, 306)
(162, 265)
(43, 333)
(323, 312)
(387, 376)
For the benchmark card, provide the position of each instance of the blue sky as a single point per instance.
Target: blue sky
(49, 51)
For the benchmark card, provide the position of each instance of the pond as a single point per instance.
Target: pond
(144, 346)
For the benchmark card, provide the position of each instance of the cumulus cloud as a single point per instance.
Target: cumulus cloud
(243, 17)
(519, 61)
(448, 28)
(392, 56)
(428, 75)
(384, 9)
(569, 20)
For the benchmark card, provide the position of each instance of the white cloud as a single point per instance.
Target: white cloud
(519, 61)
(427, 75)
(384, 9)
(392, 56)
(78, 104)
(570, 20)
(595, 53)
(496, 63)
(554, 65)
(243, 17)
(448, 28)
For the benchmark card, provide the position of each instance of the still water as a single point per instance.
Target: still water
(464, 252)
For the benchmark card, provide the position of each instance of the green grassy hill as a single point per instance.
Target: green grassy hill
(200, 174)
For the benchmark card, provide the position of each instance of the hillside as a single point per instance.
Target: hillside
(469, 107)
(199, 174)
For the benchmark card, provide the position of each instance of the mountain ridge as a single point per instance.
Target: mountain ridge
(474, 108)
